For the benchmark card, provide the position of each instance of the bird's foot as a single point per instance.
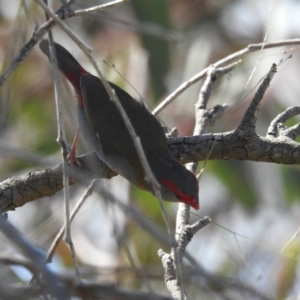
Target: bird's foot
(72, 159)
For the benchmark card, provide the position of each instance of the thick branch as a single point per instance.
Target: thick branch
(233, 146)
(17, 191)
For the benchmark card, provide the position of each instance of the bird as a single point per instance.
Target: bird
(104, 129)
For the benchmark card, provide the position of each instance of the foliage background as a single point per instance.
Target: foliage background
(156, 45)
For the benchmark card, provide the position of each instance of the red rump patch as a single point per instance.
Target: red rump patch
(181, 196)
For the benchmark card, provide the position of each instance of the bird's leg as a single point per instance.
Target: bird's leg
(72, 159)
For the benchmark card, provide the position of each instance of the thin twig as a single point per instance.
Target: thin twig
(96, 8)
(291, 132)
(61, 139)
(38, 34)
(282, 118)
(248, 122)
(227, 59)
(75, 210)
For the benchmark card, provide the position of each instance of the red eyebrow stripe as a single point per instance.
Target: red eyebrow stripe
(185, 198)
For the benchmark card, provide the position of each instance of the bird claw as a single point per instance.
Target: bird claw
(71, 158)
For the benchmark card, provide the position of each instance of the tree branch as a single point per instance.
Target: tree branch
(39, 32)
(248, 122)
(18, 190)
(250, 48)
(282, 118)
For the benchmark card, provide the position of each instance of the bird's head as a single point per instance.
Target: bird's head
(177, 183)
(67, 64)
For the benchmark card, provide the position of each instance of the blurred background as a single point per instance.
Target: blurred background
(149, 48)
